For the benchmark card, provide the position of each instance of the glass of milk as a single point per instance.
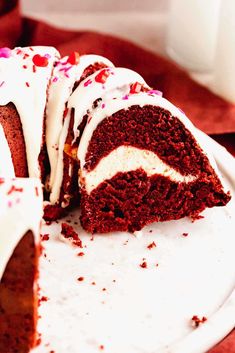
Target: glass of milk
(192, 32)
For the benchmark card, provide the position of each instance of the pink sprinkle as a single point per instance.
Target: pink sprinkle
(87, 83)
(156, 92)
(125, 97)
(103, 106)
(9, 204)
(66, 75)
(5, 53)
(55, 79)
(18, 200)
(48, 56)
(2, 83)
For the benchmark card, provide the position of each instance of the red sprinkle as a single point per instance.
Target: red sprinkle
(41, 61)
(152, 245)
(102, 76)
(27, 84)
(198, 321)
(144, 264)
(135, 88)
(74, 58)
(80, 279)
(14, 189)
(185, 234)
(24, 66)
(80, 254)
(101, 347)
(45, 237)
(36, 191)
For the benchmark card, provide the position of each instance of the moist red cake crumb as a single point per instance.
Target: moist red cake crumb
(185, 234)
(69, 233)
(53, 212)
(144, 264)
(80, 254)
(101, 347)
(80, 279)
(43, 299)
(197, 321)
(152, 245)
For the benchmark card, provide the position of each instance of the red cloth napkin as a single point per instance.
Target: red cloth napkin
(209, 112)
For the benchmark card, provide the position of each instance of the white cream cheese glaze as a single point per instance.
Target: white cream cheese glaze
(20, 211)
(117, 84)
(64, 77)
(6, 164)
(127, 158)
(25, 85)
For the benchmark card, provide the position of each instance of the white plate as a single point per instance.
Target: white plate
(144, 310)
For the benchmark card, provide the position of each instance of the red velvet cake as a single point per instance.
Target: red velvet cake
(95, 135)
(141, 162)
(24, 80)
(20, 218)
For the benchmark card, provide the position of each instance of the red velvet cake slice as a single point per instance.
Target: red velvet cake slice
(20, 218)
(60, 139)
(25, 74)
(142, 162)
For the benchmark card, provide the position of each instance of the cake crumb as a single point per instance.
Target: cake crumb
(184, 234)
(152, 245)
(43, 299)
(69, 233)
(81, 253)
(101, 347)
(144, 264)
(197, 321)
(80, 279)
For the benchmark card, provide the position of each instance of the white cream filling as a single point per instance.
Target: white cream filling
(20, 211)
(127, 158)
(141, 99)
(6, 164)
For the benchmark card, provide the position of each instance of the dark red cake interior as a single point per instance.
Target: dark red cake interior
(131, 200)
(18, 303)
(10, 121)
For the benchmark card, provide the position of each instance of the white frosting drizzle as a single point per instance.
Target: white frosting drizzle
(117, 85)
(6, 165)
(127, 158)
(20, 211)
(26, 87)
(64, 77)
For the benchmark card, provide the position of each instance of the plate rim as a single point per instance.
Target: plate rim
(222, 322)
